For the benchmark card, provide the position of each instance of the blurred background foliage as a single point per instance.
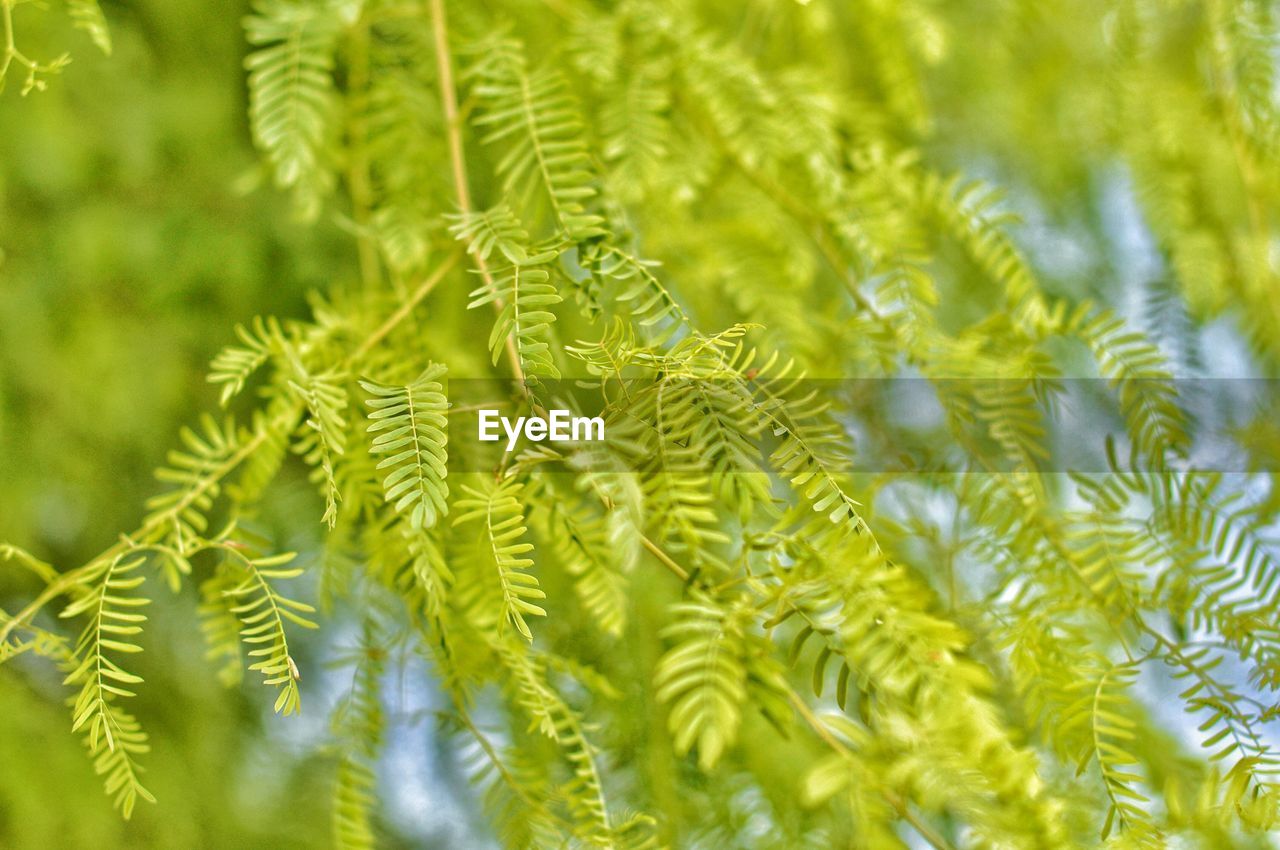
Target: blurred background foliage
(134, 235)
(126, 255)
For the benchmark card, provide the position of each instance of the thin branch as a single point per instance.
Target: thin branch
(406, 308)
(458, 163)
(358, 184)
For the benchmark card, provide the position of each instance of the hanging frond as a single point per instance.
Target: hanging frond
(325, 436)
(637, 132)
(713, 671)
(1104, 707)
(291, 91)
(810, 458)
(497, 507)
(410, 425)
(580, 540)
(358, 726)
(586, 808)
(87, 15)
(650, 303)
(972, 212)
(1232, 733)
(1111, 559)
(1138, 372)
(262, 612)
(516, 791)
(535, 116)
(520, 290)
(113, 737)
(234, 364)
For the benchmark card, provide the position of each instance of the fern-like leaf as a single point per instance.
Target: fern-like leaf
(262, 612)
(291, 91)
(182, 513)
(537, 116)
(650, 303)
(1104, 708)
(325, 438)
(358, 725)
(522, 290)
(410, 425)
(234, 364)
(704, 677)
(113, 737)
(498, 506)
(1139, 373)
(87, 15)
(581, 541)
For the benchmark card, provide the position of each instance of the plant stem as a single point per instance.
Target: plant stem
(406, 308)
(358, 169)
(665, 559)
(10, 47)
(458, 163)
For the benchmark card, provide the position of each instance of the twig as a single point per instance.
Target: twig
(407, 307)
(358, 168)
(458, 163)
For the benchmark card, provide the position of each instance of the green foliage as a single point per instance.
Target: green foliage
(534, 114)
(413, 419)
(233, 365)
(770, 609)
(113, 737)
(358, 727)
(87, 15)
(715, 668)
(519, 290)
(496, 507)
(324, 438)
(291, 91)
(263, 612)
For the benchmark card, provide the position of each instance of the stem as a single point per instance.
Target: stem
(406, 308)
(44, 571)
(358, 170)
(458, 163)
(12, 54)
(679, 571)
(126, 543)
(10, 49)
